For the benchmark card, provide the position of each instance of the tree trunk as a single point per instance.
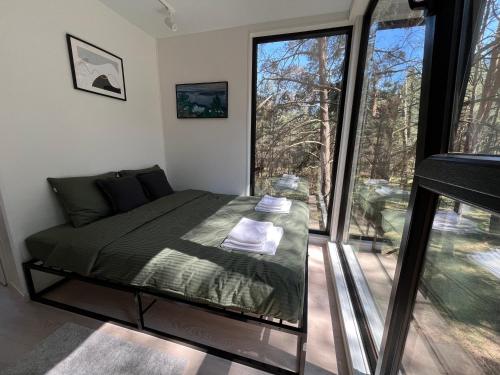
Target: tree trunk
(488, 94)
(405, 136)
(495, 224)
(325, 119)
(375, 118)
(468, 141)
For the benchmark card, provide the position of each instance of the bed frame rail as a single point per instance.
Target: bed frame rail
(140, 324)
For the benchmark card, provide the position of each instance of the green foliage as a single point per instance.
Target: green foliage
(478, 128)
(291, 77)
(216, 106)
(186, 108)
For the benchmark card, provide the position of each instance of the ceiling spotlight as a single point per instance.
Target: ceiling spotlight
(169, 19)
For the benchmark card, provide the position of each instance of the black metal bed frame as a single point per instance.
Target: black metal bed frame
(300, 330)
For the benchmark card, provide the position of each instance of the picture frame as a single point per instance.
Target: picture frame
(204, 100)
(96, 70)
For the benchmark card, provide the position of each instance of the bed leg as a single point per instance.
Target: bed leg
(301, 353)
(29, 280)
(140, 316)
(302, 338)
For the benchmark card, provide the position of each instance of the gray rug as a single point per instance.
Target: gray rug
(77, 350)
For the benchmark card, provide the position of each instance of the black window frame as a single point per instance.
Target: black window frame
(343, 30)
(472, 179)
(425, 100)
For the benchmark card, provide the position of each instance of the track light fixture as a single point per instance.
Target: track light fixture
(169, 19)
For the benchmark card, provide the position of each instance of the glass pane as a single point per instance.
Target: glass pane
(456, 319)
(478, 128)
(299, 87)
(385, 150)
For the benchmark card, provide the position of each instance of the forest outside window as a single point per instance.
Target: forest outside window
(478, 128)
(299, 90)
(384, 156)
(456, 322)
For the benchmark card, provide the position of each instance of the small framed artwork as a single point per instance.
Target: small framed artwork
(202, 100)
(96, 70)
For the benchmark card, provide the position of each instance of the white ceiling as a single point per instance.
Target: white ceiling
(194, 16)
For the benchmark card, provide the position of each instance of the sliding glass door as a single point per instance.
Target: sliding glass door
(455, 324)
(383, 152)
(298, 98)
(419, 231)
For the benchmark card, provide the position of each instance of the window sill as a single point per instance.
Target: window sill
(356, 355)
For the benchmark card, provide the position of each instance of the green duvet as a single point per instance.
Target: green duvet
(172, 245)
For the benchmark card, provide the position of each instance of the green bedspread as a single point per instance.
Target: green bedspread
(172, 245)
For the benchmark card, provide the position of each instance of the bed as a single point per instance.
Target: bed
(393, 222)
(170, 248)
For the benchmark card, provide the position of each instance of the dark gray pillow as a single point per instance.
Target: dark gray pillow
(81, 199)
(124, 193)
(155, 184)
(135, 172)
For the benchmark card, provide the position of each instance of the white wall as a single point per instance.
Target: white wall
(49, 129)
(206, 154)
(358, 9)
(213, 154)
(9, 266)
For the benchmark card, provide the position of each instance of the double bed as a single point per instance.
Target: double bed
(171, 248)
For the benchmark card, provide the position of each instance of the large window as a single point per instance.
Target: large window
(455, 325)
(384, 157)
(299, 90)
(420, 216)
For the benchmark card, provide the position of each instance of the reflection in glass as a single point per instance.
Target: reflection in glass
(478, 128)
(385, 148)
(299, 88)
(456, 319)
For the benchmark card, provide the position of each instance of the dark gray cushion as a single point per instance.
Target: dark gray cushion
(135, 172)
(124, 193)
(155, 184)
(81, 199)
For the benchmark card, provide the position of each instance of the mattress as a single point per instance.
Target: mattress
(172, 246)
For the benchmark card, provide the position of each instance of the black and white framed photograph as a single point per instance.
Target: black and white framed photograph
(202, 100)
(96, 70)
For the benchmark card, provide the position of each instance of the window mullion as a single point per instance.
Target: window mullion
(407, 276)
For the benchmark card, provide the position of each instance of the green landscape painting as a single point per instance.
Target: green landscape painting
(202, 100)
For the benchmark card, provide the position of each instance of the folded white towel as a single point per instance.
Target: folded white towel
(285, 206)
(384, 190)
(250, 231)
(268, 199)
(292, 185)
(273, 210)
(376, 181)
(280, 205)
(269, 247)
(287, 183)
(290, 177)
